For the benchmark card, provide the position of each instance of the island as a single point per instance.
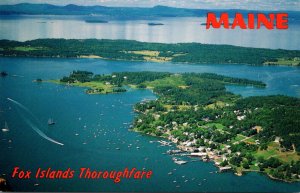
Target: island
(95, 21)
(3, 74)
(204, 120)
(38, 80)
(128, 50)
(155, 24)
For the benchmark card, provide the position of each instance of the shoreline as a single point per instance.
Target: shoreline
(95, 57)
(214, 161)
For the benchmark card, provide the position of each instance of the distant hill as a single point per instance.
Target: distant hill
(116, 12)
(47, 9)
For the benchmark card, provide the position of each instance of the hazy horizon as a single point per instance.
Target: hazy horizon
(268, 5)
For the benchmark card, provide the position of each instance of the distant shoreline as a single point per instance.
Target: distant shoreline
(130, 50)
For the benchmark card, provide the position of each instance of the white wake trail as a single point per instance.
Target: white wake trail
(32, 125)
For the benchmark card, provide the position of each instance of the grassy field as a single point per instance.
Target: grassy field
(157, 59)
(238, 138)
(216, 105)
(169, 81)
(91, 85)
(250, 141)
(217, 125)
(274, 151)
(152, 56)
(146, 53)
(285, 61)
(95, 86)
(28, 48)
(180, 107)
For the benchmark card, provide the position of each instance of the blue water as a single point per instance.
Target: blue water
(174, 30)
(102, 122)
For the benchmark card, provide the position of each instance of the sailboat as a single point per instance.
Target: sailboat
(5, 129)
(50, 121)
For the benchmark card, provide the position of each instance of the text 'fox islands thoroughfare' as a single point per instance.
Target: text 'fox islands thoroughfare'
(83, 173)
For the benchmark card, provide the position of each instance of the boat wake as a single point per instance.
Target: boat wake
(35, 128)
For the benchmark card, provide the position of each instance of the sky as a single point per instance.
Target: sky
(201, 4)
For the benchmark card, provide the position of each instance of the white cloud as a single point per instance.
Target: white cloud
(201, 4)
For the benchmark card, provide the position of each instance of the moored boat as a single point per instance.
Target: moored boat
(50, 121)
(5, 128)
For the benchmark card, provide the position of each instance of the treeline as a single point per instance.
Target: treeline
(118, 78)
(226, 79)
(278, 115)
(78, 76)
(278, 169)
(122, 50)
(135, 78)
(193, 95)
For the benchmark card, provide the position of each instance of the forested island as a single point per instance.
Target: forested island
(128, 50)
(95, 21)
(155, 24)
(196, 112)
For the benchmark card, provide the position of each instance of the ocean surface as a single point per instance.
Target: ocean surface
(174, 30)
(94, 128)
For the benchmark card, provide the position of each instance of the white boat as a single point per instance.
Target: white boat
(180, 162)
(5, 129)
(164, 143)
(50, 121)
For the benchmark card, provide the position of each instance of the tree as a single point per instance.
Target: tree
(250, 157)
(261, 167)
(246, 165)
(264, 146)
(235, 160)
(224, 163)
(273, 162)
(261, 159)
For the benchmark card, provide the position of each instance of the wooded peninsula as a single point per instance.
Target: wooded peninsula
(196, 112)
(128, 50)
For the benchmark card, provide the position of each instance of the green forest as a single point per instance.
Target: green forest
(128, 50)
